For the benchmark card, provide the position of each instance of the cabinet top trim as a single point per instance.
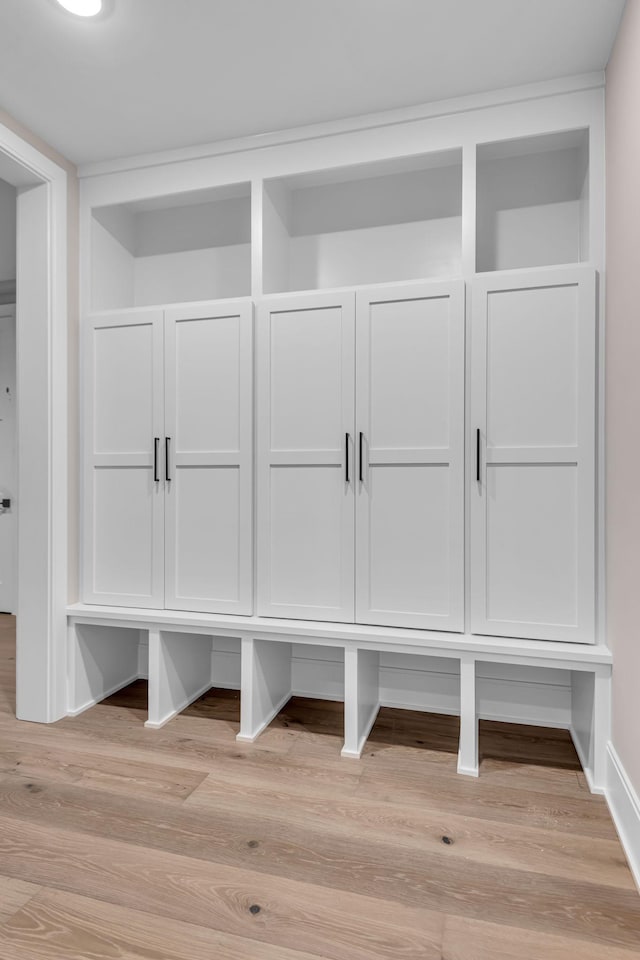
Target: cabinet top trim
(371, 121)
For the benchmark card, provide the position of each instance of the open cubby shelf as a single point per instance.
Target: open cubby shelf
(379, 222)
(532, 201)
(194, 246)
(373, 223)
(180, 655)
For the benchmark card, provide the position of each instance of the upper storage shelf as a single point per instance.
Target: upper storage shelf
(533, 201)
(371, 223)
(190, 246)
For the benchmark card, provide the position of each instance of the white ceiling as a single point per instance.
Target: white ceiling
(158, 74)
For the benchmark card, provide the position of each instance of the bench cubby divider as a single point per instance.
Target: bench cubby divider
(468, 758)
(361, 698)
(179, 673)
(266, 685)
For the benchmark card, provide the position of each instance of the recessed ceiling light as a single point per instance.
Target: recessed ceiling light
(82, 8)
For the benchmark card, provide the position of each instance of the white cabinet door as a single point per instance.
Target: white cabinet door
(207, 457)
(123, 561)
(305, 447)
(410, 423)
(533, 423)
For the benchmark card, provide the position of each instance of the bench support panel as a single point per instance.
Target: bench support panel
(361, 698)
(266, 684)
(468, 760)
(179, 673)
(591, 723)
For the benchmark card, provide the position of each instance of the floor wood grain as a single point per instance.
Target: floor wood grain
(61, 926)
(14, 894)
(180, 844)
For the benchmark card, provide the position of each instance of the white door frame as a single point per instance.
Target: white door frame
(41, 322)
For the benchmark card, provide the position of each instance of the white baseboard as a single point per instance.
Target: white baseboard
(624, 806)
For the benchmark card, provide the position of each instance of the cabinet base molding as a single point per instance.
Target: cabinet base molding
(184, 662)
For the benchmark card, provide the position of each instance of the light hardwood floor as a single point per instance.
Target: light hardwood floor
(120, 843)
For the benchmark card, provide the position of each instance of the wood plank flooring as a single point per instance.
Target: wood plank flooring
(120, 843)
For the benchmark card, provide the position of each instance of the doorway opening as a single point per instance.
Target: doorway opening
(8, 434)
(33, 390)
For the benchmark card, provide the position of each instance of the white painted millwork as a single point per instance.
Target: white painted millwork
(168, 458)
(410, 500)
(124, 426)
(180, 657)
(306, 425)
(468, 760)
(361, 698)
(400, 456)
(266, 676)
(409, 588)
(208, 457)
(179, 673)
(364, 224)
(533, 403)
(194, 248)
(530, 653)
(100, 661)
(591, 724)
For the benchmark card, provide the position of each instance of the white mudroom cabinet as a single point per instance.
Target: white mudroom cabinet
(360, 456)
(168, 489)
(391, 493)
(533, 493)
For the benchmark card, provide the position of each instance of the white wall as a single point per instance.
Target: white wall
(623, 387)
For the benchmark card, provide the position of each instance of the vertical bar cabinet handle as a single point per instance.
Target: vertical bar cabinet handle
(156, 444)
(478, 455)
(360, 452)
(346, 457)
(167, 441)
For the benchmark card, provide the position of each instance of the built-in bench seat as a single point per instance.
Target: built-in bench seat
(104, 657)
